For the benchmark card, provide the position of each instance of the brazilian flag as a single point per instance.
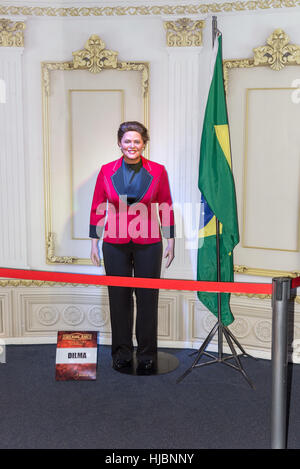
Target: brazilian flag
(217, 189)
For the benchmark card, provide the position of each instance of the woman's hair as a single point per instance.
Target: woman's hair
(133, 126)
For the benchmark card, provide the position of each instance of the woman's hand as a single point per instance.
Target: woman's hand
(169, 252)
(95, 252)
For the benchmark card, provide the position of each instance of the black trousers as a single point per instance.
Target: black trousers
(142, 260)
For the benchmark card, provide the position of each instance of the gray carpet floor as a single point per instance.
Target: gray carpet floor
(212, 408)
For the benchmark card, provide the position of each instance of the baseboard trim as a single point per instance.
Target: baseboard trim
(161, 344)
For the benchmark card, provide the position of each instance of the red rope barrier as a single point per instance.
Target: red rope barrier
(296, 282)
(164, 284)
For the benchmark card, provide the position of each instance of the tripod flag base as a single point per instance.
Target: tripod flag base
(220, 358)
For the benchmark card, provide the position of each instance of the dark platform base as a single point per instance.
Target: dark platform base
(165, 364)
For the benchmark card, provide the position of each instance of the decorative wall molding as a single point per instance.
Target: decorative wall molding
(34, 315)
(11, 33)
(50, 252)
(243, 269)
(278, 52)
(6, 314)
(184, 32)
(94, 58)
(148, 10)
(42, 312)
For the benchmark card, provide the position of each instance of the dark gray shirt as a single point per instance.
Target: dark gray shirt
(132, 180)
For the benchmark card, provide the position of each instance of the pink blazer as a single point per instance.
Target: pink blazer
(141, 222)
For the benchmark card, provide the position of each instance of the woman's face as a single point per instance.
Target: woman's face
(132, 146)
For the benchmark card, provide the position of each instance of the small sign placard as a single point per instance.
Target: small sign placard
(76, 355)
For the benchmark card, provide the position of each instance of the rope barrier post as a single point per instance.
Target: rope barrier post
(281, 293)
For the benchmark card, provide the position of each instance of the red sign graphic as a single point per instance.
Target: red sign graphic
(76, 355)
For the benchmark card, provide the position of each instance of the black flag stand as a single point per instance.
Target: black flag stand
(221, 330)
(219, 326)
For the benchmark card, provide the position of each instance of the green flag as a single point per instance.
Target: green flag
(217, 189)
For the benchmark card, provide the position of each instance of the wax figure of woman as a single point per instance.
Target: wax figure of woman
(132, 244)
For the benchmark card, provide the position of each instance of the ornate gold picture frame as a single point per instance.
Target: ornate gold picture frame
(276, 55)
(93, 59)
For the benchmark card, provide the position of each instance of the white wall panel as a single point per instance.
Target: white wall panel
(13, 233)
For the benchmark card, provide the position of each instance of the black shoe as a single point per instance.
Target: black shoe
(146, 365)
(119, 363)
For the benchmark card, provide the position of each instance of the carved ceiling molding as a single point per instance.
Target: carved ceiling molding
(148, 10)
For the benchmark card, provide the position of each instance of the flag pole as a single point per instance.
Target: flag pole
(220, 332)
(219, 326)
(214, 29)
